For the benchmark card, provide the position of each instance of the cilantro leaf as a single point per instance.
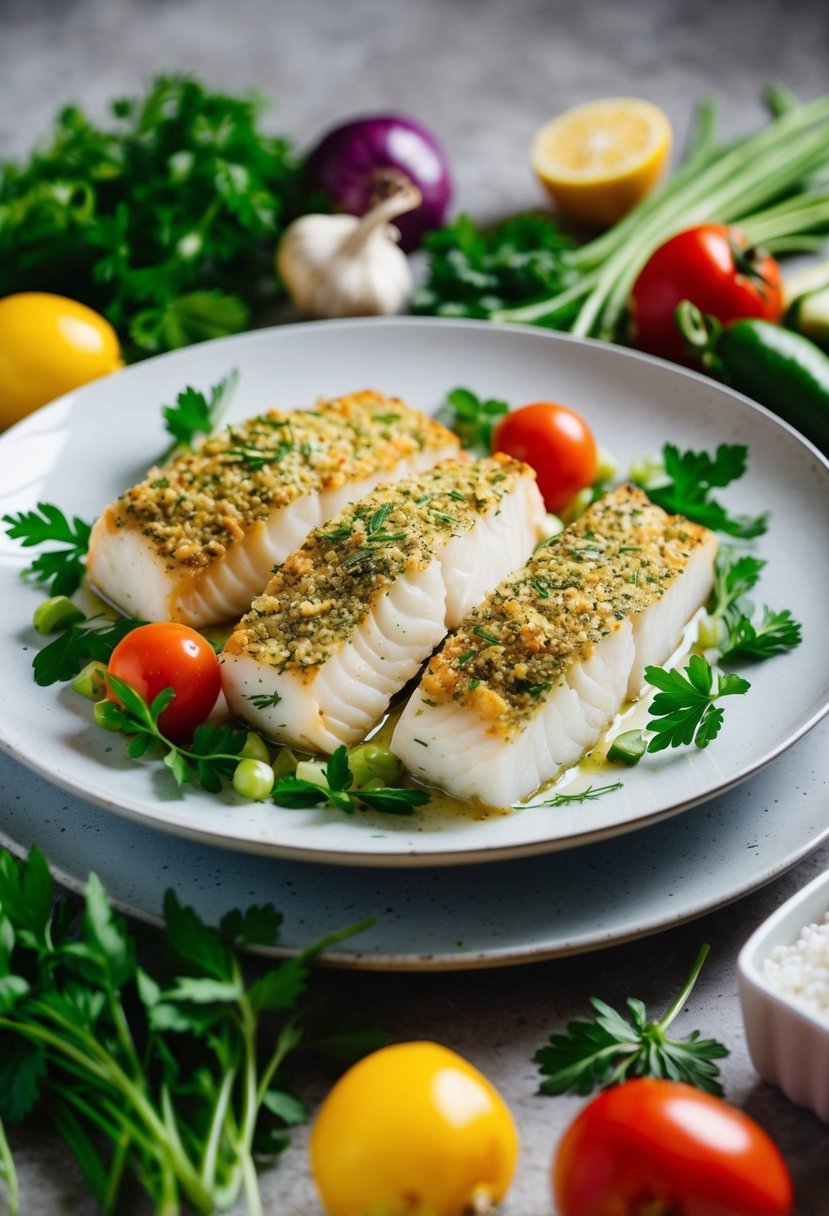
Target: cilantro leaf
(692, 475)
(95, 638)
(611, 1048)
(196, 413)
(683, 711)
(62, 568)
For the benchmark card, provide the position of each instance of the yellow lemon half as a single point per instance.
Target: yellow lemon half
(597, 161)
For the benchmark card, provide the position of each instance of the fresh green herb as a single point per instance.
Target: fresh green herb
(472, 418)
(473, 272)
(62, 568)
(386, 419)
(489, 638)
(729, 625)
(211, 757)
(95, 638)
(296, 792)
(540, 587)
(443, 516)
(776, 633)
(690, 478)
(457, 495)
(159, 1063)
(165, 219)
(466, 656)
(256, 458)
(379, 518)
(612, 1049)
(264, 700)
(196, 413)
(589, 795)
(684, 710)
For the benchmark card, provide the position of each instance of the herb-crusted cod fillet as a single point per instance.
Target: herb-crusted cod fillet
(349, 618)
(199, 537)
(533, 675)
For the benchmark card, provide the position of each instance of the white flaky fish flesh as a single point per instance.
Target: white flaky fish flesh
(199, 537)
(536, 672)
(349, 618)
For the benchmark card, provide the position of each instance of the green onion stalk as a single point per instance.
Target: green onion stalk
(767, 182)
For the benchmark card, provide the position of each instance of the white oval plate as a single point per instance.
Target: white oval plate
(84, 449)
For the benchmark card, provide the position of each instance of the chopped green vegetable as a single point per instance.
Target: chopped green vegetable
(91, 681)
(253, 779)
(628, 748)
(62, 568)
(58, 612)
(255, 748)
(165, 219)
(684, 709)
(158, 1062)
(333, 784)
(368, 762)
(612, 1049)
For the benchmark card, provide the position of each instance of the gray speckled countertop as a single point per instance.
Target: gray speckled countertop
(485, 74)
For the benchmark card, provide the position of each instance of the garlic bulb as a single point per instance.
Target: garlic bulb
(345, 266)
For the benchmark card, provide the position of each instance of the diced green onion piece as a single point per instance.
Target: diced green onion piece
(58, 612)
(649, 472)
(607, 466)
(368, 761)
(709, 631)
(285, 763)
(628, 748)
(108, 715)
(92, 681)
(374, 783)
(255, 748)
(577, 505)
(312, 771)
(253, 779)
(551, 527)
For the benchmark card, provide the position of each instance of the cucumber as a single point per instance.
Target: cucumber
(782, 370)
(809, 315)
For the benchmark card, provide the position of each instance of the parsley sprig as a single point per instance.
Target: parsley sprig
(730, 620)
(689, 477)
(154, 1056)
(472, 418)
(339, 792)
(611, 1048)
(81, 643)
(196, 413)
(684, 710)
(64, 567)
(210, 758)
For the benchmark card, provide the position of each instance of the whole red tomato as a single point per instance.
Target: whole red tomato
(169, 655)
(715, 268)
(556, 442)
(660, 1147)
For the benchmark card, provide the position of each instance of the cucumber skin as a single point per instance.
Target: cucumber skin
(783, 371)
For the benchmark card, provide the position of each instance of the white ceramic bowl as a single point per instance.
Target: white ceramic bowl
(789, 1046)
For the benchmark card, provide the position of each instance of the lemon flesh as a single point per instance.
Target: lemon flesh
(599, 160)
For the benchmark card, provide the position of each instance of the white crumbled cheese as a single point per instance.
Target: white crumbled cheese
(801, 972)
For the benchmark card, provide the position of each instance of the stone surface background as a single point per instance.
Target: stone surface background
(485, 74)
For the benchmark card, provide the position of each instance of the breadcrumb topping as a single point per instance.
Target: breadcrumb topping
(615, 561)
(319, 595)
(193, 508)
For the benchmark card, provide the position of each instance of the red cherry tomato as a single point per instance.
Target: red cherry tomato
(556, 442)
(663, 1147)
(169, 655)
(715, 268)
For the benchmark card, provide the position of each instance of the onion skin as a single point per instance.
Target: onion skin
(348, 161)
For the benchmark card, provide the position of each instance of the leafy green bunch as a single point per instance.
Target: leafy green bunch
(173, 1077)
(165, 220)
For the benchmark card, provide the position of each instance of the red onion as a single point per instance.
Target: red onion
(354, 161)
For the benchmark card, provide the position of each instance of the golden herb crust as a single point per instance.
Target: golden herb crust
(614, 562)
(321, 592)
(198, 504)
